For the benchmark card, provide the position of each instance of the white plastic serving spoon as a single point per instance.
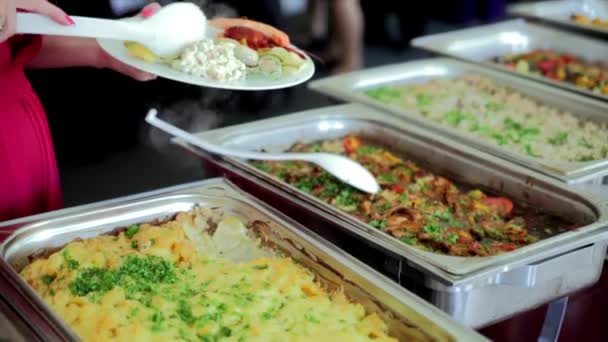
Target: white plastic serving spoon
(343, 168)
(166, 33)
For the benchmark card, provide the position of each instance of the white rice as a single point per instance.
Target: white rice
(504, 117)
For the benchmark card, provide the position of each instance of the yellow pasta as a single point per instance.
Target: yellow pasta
(150, 283)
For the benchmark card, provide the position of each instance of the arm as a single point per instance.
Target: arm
(61, 52)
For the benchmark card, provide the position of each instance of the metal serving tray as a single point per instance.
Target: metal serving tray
(350, 87)
(480, 44)
(475, 291)
(406, 315)
(559, 12)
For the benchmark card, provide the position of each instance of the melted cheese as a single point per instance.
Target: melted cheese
(193, 295)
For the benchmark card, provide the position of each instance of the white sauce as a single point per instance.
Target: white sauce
(210, 59)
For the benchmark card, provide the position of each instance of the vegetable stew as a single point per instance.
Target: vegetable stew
(417, 207)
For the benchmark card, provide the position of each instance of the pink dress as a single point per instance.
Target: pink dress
(29, 179)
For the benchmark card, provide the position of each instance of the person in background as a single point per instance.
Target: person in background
(29, 179)
(345, 50)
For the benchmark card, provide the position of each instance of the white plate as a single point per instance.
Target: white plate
(117, 50)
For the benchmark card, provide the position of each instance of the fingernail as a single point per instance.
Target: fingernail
(69, 20)
(147, 12)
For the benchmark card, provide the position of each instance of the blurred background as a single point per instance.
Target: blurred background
(105, 149)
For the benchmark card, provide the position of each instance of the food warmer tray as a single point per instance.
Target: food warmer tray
(475, 291)
(558, 12)
(482, 43)
(350, 87)
(404, 313)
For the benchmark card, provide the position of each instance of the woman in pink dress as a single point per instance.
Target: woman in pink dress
(29, 180)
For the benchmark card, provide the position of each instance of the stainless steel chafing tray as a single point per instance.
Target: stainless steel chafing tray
(476, 291)
(406, 315)
(350, 87)
(559, 12)
(482, 43)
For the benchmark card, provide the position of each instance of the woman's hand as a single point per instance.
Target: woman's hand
(8, 14)
(62, 52)
(107, 61)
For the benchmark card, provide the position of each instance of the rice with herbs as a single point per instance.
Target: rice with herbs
(499, 115)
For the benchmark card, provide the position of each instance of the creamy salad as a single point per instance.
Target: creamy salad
(211, 59)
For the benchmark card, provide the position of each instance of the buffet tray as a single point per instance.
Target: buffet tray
(350, 87)
(406, 315)
(482, 43)
(483, 290)
(558, 12)
(455, 161)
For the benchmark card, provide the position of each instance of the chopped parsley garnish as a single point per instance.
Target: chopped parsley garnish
(404, 199)
(585, 158)
(184, 311)
(500, 139)
(366, 149)
(330, 189)
(134, 244)
(494, 106)
(423, 100)
(132, 230)
(443, 215)
(225, 332)
(511, 124)
(137, 274)
(93, 279)
(304, 185)
(315, 148)
(260, 267)
(387, 177)
(47, 279)
(408, 240)
(453, 238)
(345, 199)
(432, 228)
(71, 263)
(311, 318)
(378, 224)
(584, 143)
(454, 117)
(264, 167)
(529, 151)
(383, 207)
(157, 320)
(384, 94)
(558, 139)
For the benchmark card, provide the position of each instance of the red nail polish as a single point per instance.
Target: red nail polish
(147, 12)
(69, 20)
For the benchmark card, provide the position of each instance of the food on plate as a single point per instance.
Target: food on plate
(585, 20)
(257, 35)
(242, 48)
(478, 106)
(211, 59)
(417, 207)
(198, 277)
(560, 67)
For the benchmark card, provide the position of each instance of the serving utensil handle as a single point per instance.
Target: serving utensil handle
(32, 23)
